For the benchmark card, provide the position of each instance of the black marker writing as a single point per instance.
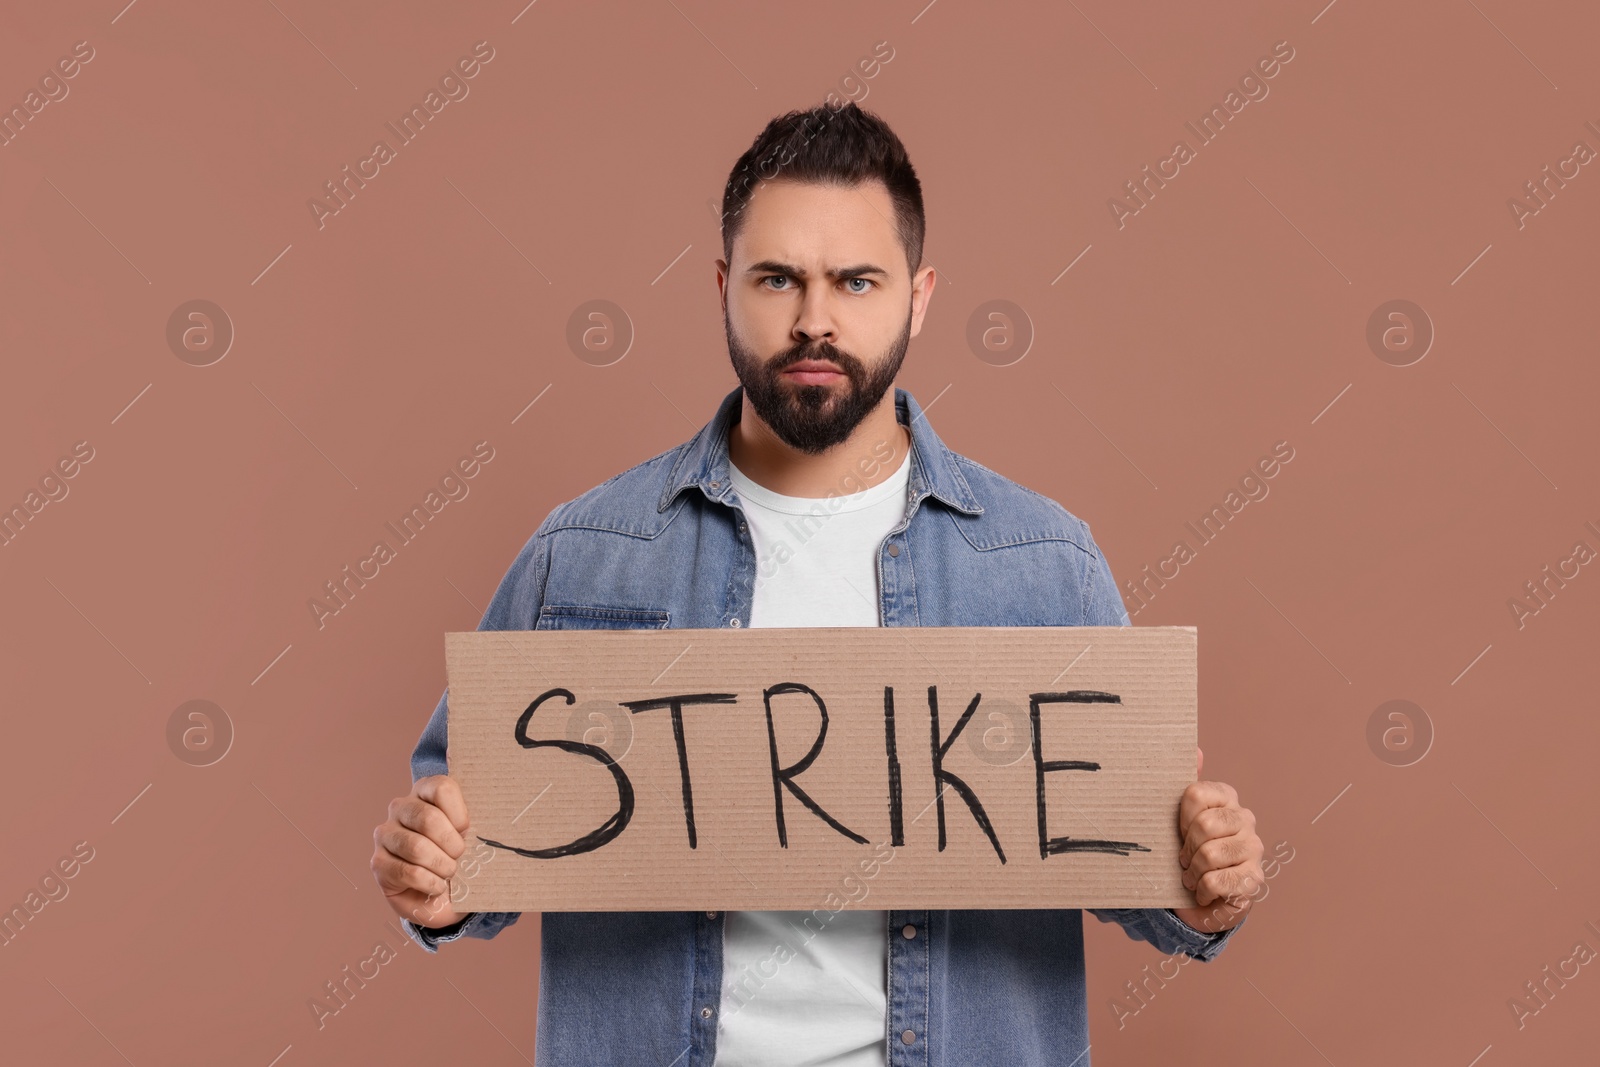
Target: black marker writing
(676, 704)
(783, 777)
(942, 776)
(602, 834)
(1049, 846)
(897, 830)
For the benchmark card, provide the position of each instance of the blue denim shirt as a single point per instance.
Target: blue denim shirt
(665, 544)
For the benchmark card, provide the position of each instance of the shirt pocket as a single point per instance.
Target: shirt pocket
(594, 617)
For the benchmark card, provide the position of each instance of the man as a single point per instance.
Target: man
(814, 497)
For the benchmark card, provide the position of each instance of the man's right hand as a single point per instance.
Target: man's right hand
(417, 849)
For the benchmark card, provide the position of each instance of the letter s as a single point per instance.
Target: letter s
(1277, 450)
(478, 48)
(78, 50)
(479, 451)
(1278, 48)
(606, 831)
(878, 48)
(78, 450)
(77, 850)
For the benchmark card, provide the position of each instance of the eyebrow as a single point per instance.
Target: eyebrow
(772, 266)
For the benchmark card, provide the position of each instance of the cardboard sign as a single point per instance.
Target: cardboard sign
(868, 767)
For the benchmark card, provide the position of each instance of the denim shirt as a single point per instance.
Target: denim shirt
(665, 544)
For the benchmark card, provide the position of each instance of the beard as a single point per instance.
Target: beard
(814, 418)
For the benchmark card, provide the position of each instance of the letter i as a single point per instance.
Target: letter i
(897, 831)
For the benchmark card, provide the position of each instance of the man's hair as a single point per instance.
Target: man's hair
(828, 145)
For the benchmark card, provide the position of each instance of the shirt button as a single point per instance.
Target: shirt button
(705, 1013)
(711, 915)
(894, 550)
(908, 1036)
(908, 931)
(716, 485)
(734, 622)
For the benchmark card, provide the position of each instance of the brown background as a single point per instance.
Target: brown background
(370, 354)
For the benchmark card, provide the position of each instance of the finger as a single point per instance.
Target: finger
(395, 876)
(415, 848)
(1230, 885)
(1199, 760)
(1198, 796)
(430, 821)
(444, 792)
(421, 908)
(1212, 823)
(1230, 850)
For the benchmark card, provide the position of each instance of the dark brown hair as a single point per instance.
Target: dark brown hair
(830, 146)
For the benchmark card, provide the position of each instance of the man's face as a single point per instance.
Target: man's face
(818, 307)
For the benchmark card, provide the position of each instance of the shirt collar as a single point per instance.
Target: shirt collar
(704, 461)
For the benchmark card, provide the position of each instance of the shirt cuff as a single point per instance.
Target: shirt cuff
(1197, 944)
(430, 939)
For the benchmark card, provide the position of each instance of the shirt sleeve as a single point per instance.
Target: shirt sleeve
(1103, 606)
(515, 606)
(1163, 929)
(484, 924)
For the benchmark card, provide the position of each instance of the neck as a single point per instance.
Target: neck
(872, 452)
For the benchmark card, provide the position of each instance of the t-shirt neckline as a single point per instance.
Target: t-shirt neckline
(803, 505)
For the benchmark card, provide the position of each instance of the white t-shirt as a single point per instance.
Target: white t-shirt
(794, 995)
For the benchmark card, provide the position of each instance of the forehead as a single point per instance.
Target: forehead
(808, 223)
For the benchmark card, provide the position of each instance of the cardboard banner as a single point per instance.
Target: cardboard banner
(863, 767)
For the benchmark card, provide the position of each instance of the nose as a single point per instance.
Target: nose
(814, 322)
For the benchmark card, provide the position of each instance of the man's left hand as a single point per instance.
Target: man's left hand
(1220, 856)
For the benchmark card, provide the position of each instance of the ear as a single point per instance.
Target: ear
(922, 283)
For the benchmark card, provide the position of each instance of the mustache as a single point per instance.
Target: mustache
(824, 351)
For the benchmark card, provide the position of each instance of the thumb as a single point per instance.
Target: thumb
(1199, 760)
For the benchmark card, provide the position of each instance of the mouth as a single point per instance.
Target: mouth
(813, 372)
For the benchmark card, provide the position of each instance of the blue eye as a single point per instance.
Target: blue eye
(868, 282)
